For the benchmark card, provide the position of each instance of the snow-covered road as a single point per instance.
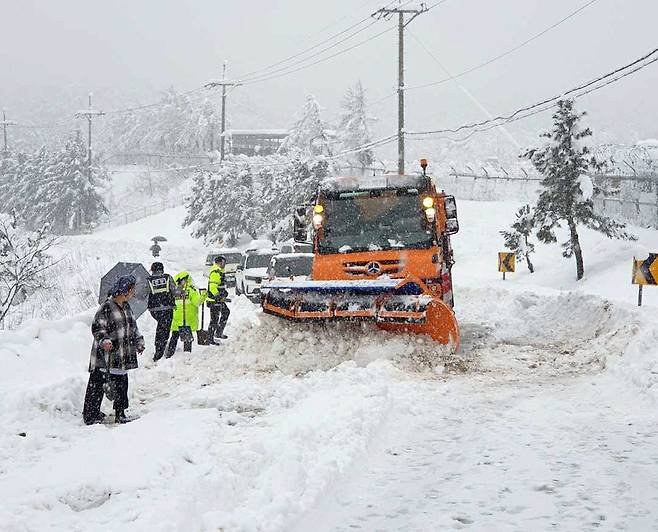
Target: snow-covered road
(545, 421)
(485, 454)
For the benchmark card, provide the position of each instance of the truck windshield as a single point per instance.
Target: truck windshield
(374, 220)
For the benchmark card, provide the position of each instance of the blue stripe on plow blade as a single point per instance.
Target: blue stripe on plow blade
(376, 286)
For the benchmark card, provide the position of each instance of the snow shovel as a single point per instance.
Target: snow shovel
(185, 331)
(202, 336)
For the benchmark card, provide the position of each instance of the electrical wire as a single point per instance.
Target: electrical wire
(209, 166)
(267, 70)
(52, 125)
(155, 104)
(322, 60)
(549, 103)
(284, 71)
(506, 53)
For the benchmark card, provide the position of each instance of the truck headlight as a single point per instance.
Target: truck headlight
(317, 220)
(430, 214)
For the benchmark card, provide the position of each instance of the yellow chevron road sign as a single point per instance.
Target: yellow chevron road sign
(506, 262)
(646, 271)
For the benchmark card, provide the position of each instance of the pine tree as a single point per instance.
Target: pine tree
(353, 130)
(517, 239)
(65, 191)
(566, 195)
(308, 135)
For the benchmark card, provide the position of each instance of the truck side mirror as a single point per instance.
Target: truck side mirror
(300, 224)
(452, 224)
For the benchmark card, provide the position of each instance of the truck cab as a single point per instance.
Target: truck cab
(387, 226)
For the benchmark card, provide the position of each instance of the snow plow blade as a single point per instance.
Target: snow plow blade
(393, 304)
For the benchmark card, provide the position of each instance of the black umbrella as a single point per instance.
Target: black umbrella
(140, 301)
(159, 238)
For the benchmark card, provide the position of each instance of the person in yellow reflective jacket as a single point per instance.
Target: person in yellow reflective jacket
(186, 314)
(216, 300)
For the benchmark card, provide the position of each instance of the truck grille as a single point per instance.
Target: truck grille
(387, 267)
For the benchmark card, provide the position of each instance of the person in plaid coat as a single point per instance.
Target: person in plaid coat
(117, 340)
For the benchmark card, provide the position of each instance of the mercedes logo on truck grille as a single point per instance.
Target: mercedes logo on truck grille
(373, 268)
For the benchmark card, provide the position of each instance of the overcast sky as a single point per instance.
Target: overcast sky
(138, 47)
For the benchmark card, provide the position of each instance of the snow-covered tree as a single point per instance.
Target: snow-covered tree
(66, 195)
(294, 184)
(23, 259)
(178, 124)
(567, 189)
(57, 188)
(252, 195)
(223, 204)
(353, 130)
(308, 135)
(517, 238)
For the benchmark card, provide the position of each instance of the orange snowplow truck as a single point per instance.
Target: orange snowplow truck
(381, 252)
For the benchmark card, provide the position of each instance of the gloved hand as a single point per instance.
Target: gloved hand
(140, 346)
(106, 345)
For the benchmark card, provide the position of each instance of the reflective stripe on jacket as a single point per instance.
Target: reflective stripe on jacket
(216, 287)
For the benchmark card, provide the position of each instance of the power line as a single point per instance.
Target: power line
(544, 105)
(155, 104)
(265, 70)
(506, 53)
(51, 125)
(209, 166)
(461, 87)
(321, 60)
(285, 70)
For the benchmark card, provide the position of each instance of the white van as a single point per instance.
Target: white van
(251, 272)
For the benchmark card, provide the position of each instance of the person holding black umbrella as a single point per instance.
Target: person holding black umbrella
(117, 342)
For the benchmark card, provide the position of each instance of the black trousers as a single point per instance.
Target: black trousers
(164, 318)
(94, 395)
(173, 342)
(219, 313)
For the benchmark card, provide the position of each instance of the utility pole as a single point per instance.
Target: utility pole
(89, 114)
(6, 123)
(386, 13)
(223, 84)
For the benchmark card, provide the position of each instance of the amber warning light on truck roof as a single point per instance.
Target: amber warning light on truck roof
(423, 165)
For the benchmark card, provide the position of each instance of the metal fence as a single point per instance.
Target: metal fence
(627, 198)
(122, 218)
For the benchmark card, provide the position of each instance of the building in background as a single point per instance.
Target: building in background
(253, 142)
